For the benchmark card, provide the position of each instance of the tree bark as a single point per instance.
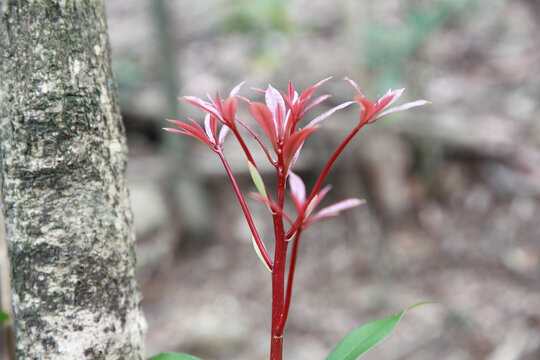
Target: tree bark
(65, 200)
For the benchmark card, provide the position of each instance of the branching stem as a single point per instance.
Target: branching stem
(245, 209)
(321, 178)
(288, 292)
(280, 260)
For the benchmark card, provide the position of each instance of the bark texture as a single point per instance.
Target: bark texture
(65, 200)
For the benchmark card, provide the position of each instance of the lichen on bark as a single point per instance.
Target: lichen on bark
(66, 207)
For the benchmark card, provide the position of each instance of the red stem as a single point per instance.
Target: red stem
(259, 140)
(288, 293)
(243, 144)
(245, 209)
(321, 178)
(330, 162)
(281, 300)
(278, 273)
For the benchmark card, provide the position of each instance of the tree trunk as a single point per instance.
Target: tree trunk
(67, 213)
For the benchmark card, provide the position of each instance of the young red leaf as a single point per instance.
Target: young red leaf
(306, 95)
(372, 112)
(389, 98)
(229, 111)
(222, 134)
(406, 106)
(295, 157)
(193, 130)
(274, 101)
(317, 200)
(198, 102)
(354, 85)
(298, 191)
(210, 125)
(329, 112)
(294, 142)
(236, 89)
(314, 103)
(335, 209)
(263, 116)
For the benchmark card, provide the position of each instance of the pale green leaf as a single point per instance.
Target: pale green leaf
(173, 356)
(367, 336)
(258, 251)
(257, 179)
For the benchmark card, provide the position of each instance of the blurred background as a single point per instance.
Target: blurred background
(452, 188)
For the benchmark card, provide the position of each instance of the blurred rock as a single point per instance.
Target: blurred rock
(209, 337)
(522, 261)
(386, 160)
(515, 345)
(149, 209)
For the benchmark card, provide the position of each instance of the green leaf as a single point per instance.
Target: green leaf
(173, 356)
(258, 251)
(3, 317)
(367, 336)
(257, 179)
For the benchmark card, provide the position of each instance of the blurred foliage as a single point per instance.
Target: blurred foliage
(267, 22)
(257, 17)
(3, 317)
(390, 48)
(459, 320)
